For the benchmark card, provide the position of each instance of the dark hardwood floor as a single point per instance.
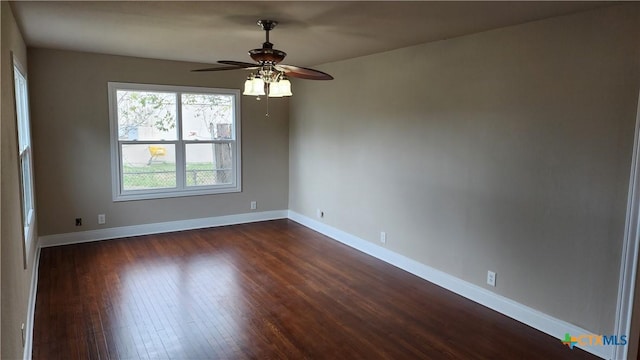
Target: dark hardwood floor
(270, 290)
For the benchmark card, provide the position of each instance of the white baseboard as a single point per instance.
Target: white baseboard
(534, 318)
(156, 228)
(31, 308)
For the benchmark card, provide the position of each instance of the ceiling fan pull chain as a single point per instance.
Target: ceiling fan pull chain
(267, 114)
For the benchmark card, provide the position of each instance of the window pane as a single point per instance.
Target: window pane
(148, 166)
(21, 110)
(208, 164)
(27, 203)
(146, 115)
(207, 116)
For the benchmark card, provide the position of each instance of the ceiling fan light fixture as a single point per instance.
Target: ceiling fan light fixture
(274, 90)
(281, 88)
(254, 86)
(248, 86)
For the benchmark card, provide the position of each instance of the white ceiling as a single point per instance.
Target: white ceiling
(310, 32)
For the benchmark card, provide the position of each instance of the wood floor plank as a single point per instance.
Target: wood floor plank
(269, 290)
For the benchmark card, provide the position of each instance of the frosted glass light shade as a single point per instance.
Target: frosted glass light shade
(280, 88)
(248, 87)
(258, 86)
(275, 90)
(254, 87)
(285, 87)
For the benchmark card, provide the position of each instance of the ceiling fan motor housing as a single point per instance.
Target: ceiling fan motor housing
(267, 55)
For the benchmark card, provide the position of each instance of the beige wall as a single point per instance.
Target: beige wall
(71, 135)
(15, 279)
(507, 150)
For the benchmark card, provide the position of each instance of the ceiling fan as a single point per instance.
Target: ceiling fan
(269, 76)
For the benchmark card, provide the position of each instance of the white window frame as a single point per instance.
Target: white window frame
(119, 194)
(25, 151)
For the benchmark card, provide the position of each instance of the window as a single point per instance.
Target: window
(24, 150)
(169, 141)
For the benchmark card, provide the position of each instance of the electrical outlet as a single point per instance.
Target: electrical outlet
(102, 219)
(383, 237)
(254, 205)
(320, 213)
(491, 278)
(78, 221)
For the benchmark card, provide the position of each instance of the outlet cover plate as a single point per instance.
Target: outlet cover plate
(491, 278)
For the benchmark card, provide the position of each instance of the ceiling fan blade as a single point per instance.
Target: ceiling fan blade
(239, 64)
(303, 73)
(235, 65)
(220, 68)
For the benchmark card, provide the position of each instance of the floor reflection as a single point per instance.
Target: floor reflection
(188, 307)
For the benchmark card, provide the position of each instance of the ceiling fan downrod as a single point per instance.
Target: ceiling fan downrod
(267, 55)
(267, 25)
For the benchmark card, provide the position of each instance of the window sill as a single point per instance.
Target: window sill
(160, 194)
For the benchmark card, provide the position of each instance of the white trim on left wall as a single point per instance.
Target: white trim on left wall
(31, 308)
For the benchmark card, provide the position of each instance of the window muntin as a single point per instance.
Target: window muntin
(172, 141)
